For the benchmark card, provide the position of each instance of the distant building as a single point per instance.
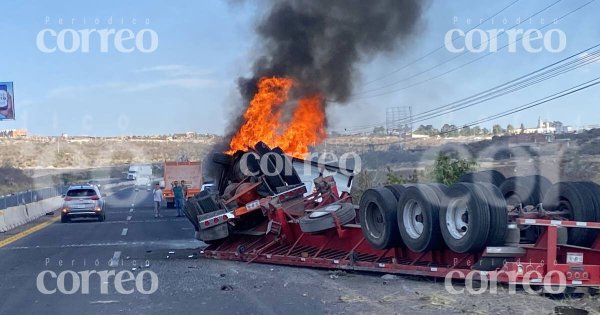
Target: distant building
(13, 133)
(544, 127)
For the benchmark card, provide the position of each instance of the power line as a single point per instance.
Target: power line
(515, 87)
(536, 103)
(550, 71)
(451, 59)
(541, 101)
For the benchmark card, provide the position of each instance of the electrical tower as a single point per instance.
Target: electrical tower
(398, 120)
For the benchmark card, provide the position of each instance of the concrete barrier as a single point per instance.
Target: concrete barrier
(22, 214)
(3, 227)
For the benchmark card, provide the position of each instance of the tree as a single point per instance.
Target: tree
(485, 131)
(465, 131)
(378, 130)
(510, 129)
(446, 129)
(522, 128)
(393, 178)
(424, 130)
(496, 130)
(447, 170)
(476, 131)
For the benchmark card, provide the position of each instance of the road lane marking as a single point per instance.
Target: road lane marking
(104, 302)
(128, 218)
(131, 210)
(27, 232)
(114, 261)
(124, 232)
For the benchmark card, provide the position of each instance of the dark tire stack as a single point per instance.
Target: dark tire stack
(525, 190)
(466, 216)
(417, 217)
(396, 190)
(489, 176)
(465, 222)
(580, 202)
(378, 218)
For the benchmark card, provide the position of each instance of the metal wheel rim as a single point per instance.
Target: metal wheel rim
(374, 220)
(457, 218)
(412, 216)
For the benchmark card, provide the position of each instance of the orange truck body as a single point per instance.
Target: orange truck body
(191, 172)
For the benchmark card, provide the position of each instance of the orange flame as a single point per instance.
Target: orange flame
(262, 120)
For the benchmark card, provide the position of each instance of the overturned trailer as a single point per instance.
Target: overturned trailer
(517, 230)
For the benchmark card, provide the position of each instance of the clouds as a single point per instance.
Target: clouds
(144, 79)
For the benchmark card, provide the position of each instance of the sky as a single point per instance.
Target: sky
(187, 81)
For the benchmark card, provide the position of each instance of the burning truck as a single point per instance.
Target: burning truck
(269, 209)
(271, 206)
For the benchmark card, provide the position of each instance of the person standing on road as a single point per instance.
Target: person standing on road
(178, 196)
(185, 190)
(157, 195)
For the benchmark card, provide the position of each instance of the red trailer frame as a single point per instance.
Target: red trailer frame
(283, 243)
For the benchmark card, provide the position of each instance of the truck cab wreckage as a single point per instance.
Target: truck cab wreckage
(485, 226)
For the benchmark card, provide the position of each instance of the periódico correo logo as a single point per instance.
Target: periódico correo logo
(122, 40)
(531, 40)
(72, 282)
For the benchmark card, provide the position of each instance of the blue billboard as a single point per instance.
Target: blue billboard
(7, 105)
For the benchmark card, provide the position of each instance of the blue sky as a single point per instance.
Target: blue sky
(188, 82)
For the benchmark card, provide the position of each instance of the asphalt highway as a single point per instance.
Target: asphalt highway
(65, 268)
(133, 242)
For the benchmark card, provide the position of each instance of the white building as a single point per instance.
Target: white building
(543, 127)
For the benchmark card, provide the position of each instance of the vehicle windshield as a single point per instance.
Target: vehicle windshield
(85, 192)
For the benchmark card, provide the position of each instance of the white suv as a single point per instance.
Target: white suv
(83, 201)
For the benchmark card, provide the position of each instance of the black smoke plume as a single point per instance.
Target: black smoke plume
(321, 42)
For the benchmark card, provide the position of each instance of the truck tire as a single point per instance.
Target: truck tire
(418, 218)
(489, 176)
(222, 158)
(498, 214)
(465, 222)
(170, 204)
(441, 191)
(575, 200)
(542, 184)
(519, 190)
(322, 219)
(594, 190)
(397, 190)
(526, 190)
(378, 218)
(289, 173)
(274, 178)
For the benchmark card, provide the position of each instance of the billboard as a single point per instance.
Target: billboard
(7, 106)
